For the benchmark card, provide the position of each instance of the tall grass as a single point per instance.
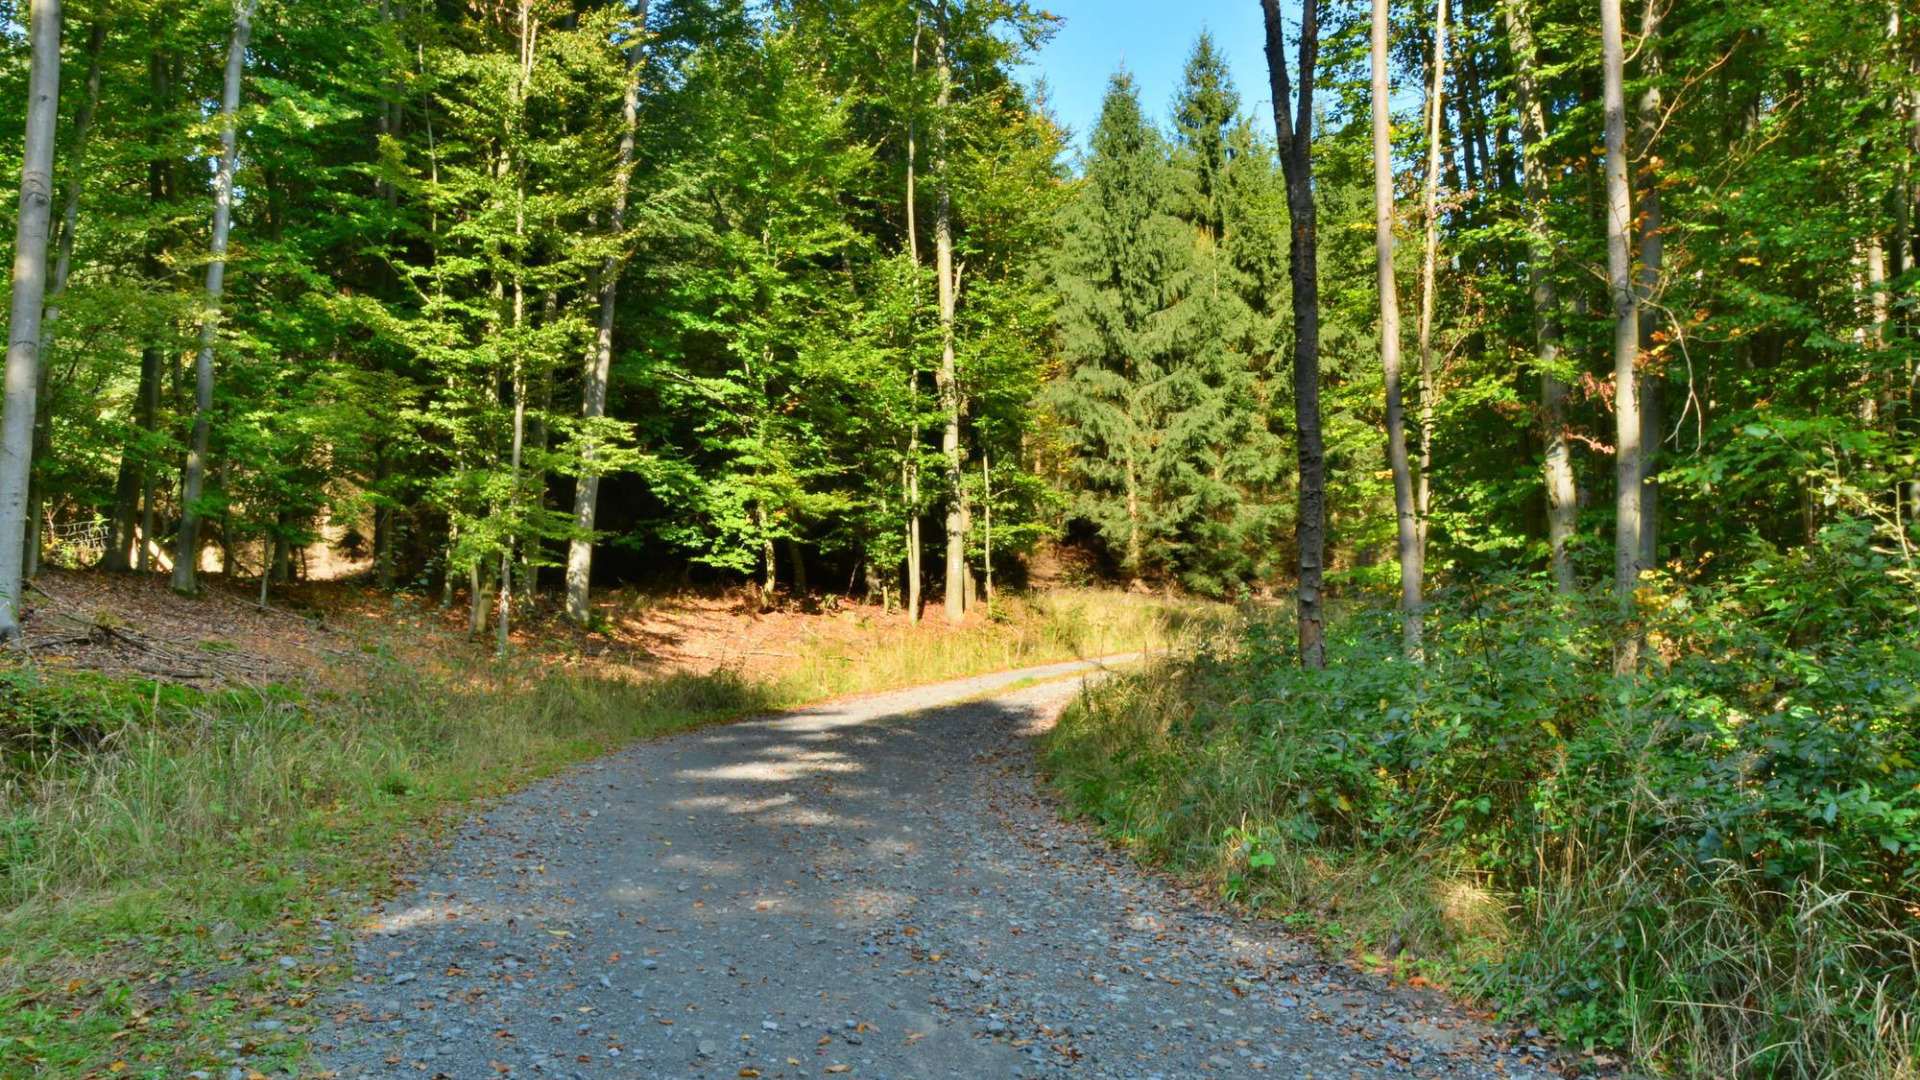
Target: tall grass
(1711, 865)
(115, 789)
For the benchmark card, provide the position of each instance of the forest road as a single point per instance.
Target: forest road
(872, 888)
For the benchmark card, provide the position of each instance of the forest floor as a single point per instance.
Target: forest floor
(874, 888)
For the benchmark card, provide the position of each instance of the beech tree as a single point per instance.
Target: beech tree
(186, 559)
(31, 231)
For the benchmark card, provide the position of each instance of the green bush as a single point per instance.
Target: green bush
(1715, 862)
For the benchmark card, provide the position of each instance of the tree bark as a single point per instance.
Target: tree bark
(62, 267)
(187, 552)
(29, 293)
(1626, 331)
(1650, 281)
(910, 464)
(1296, 163)
(593, 404)
(1562, 491)
(948, 380)
(1408, 522)
(1429, 270)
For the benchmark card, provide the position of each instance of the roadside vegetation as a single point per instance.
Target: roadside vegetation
(1711, 864)
(161, 846)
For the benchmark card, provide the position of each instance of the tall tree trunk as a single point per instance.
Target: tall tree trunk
(1626, 331)
(1562, 492)
(1296, 163)
(29, 294)
(1429, 270)
(62, 268)
(1410, 554)
(910, 465)
(948, 379)
(187, 552)
(529, 27)
(1650, 221)
(593, 404)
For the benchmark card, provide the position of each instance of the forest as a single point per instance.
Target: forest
(1538, 383)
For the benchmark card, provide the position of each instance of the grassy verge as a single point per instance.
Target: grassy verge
(170, 859)
(1712, 866)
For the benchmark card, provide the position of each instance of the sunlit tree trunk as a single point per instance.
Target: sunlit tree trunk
(186, 557)
(1296, 163)
(1628, 460)
(1408, 521)
(593, 404)
(948, 379)
(62, 268)
(29, 293)
(910, 465)
(1429, 269)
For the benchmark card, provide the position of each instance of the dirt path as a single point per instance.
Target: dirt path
(870, 889)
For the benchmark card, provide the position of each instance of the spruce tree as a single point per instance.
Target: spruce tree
(1120, 255)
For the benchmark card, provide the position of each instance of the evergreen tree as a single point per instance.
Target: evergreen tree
(1119, 258)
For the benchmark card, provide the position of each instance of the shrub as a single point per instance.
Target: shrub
(1715, 862)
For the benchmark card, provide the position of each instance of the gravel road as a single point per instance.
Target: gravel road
(872, 889)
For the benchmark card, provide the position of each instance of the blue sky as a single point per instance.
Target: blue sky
(1152, 38)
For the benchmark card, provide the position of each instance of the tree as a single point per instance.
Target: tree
(1557, 461)
(31, 231)
(1119, 256)
(186, 560)
(593, 404)
(1296, 162)
(1411, 552)
(1626, 332)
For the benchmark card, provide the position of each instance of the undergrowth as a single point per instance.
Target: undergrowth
(161, 847)
(1712, 865)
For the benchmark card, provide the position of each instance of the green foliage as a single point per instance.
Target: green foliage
(1746, 812)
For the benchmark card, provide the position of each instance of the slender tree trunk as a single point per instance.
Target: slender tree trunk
(593, 403)
(986, 527)
(948, 380)
(29, 294)
(1650, 282)
(910, 466)
(1562, 492)
(1429, 271)
(1410, 553)
(187, 552)
(517, 497)
(1626, 330)
(62, 267)
(1296, 162)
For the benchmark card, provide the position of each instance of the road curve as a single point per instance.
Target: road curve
(871, 888)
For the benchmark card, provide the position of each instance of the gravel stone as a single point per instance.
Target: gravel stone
(875, 884)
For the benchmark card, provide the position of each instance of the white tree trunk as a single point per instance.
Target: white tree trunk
(948, 380)
(1628, 461)
(186, 560)
(910, 467)
(593, 404)
(29, 295)
(1408, 520)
